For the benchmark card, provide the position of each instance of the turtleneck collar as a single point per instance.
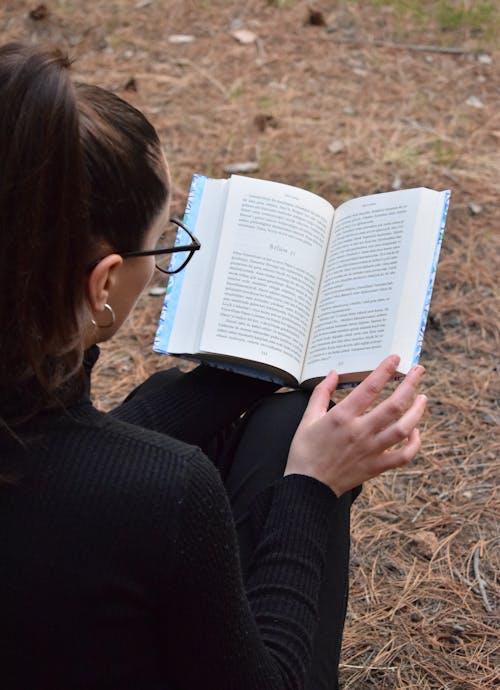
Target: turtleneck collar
(89, 359)
(77, 390)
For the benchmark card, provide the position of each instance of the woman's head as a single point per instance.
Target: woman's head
(82, 176)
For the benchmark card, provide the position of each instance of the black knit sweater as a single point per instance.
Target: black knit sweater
(119, 562)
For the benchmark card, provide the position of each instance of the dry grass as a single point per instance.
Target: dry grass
(424, 590)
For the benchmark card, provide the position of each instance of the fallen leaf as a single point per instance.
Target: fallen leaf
(241, 167)
(336, 146)
(181, 38)
(262, 122)
(40, 12)
(425, 543)
(316, 18)
(484, 59)
(397, 182)
(475, 209)
(244, 36)
(278, 85)
(475, 102)
(236, 23)
(448, 640)
(131, 85)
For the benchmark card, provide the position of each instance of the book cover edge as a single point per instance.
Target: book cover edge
(432, 277)
(175, 282)
(238, 368)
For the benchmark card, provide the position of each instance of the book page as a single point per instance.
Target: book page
(193, 283)
(267, 273)
(415, 297)
(367, 262)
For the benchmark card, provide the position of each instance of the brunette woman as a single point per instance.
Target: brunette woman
(128, 558)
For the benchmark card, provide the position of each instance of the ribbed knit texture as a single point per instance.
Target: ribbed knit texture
(119, 563)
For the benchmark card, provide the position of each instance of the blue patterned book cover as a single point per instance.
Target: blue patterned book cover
(175, 281)
(432, 277)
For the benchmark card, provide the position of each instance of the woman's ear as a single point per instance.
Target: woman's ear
(101, 280)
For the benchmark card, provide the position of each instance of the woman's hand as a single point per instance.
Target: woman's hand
(346, 445)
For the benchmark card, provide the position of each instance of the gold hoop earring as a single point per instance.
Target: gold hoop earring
(112, 317)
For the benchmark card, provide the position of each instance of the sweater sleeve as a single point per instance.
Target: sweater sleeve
(257, 635)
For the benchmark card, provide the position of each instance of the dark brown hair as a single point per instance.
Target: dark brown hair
(78, 166)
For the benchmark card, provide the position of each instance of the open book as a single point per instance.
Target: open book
(285, 288)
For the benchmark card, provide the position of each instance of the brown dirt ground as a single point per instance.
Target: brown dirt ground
(424, 589)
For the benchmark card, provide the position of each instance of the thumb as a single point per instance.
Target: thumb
(320, 398)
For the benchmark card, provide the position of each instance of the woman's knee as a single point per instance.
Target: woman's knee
(280, 411)
(259, 448)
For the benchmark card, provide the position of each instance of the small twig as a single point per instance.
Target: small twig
(421, 48)
(452, 178)
(479, 579)
(185, 62)
(466, 581)
(370, 668)
(160, 78)
(420, 511)
(261, 54)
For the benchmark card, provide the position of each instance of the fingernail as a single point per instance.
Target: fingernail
(395, 359)
(419, 369)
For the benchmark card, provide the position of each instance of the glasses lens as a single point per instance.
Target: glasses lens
(173, 236)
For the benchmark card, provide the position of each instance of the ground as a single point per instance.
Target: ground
(345, 99)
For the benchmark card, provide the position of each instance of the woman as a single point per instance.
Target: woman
(125, 561)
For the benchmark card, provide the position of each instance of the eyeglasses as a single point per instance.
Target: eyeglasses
(182, 247)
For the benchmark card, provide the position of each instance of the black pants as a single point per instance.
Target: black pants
(251, 453)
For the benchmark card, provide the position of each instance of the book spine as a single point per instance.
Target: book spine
(174, 285)
(430, 285)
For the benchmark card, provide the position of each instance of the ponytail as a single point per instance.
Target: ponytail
(79, 167)
(43, 238)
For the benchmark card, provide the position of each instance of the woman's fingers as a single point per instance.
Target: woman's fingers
(347, 445)
(394, 407)
(320, 398)
(368, 391)
(402, 427)
(397, 457)
(401, 456)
